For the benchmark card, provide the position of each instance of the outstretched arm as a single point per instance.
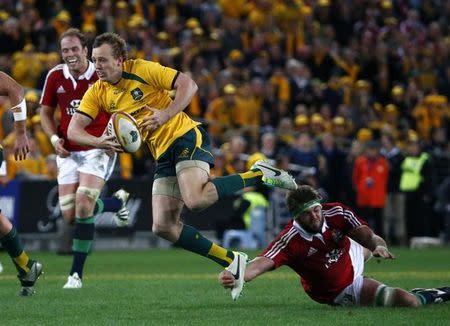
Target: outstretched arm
(366, 238)
(256, 267)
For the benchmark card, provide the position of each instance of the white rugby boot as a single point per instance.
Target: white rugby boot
(273, 176)
(73, 282)
(237, 269)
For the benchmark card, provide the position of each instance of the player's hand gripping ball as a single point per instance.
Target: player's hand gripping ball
(124, 128)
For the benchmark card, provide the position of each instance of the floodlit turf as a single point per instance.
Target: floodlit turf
(173, 287)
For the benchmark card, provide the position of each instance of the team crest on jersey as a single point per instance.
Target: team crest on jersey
(333, 256)
(184, 153)
(137, 94)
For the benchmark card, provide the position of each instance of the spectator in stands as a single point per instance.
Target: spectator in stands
(370, 178)
(416, 181)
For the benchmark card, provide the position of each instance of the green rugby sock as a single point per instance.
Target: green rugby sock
(190, 239)
(14, 249)
(82, 243)
(227, 186)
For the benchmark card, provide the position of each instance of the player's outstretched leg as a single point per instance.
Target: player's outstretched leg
(121, 216)
(237, 269)
(433, 295)
(273, 176)
(117, 204)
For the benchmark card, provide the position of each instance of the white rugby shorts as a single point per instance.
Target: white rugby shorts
(351, 294)
(93, 161)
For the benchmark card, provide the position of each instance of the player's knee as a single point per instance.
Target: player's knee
(67, 202)
(394, 297)
(162, 231)
(194, 203)
(85, 200)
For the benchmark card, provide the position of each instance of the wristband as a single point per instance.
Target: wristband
(20, 111)
(54, 139)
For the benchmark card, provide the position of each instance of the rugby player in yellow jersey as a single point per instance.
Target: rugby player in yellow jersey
(179, 145)
(28, 270)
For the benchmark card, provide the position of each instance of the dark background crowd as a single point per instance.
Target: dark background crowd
(350, 96)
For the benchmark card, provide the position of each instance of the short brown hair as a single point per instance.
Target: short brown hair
(117, 43)
(75, 32)
(301, 196)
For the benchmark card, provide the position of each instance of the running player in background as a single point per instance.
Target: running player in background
(327, 245)
(179, 145)
(82, 170)
(28, 270)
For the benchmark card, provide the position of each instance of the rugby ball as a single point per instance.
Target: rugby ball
(124, 128)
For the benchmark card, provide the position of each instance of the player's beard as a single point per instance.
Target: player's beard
(313, 229)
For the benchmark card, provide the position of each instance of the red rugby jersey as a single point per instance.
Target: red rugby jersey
(61, 89)
(322, 260)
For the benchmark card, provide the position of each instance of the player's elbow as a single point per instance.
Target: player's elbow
(193, 86)
(187, 83)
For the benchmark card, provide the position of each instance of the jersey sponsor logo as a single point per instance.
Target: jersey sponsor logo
(311, 251)
(60, 90)
(137, 94)
(73, 107)
(112, 106)
(119, 90)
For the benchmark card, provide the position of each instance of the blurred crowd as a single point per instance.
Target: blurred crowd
(351, 96)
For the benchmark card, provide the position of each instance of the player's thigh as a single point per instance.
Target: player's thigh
(192, 177)
(67, 170)
(189, 158)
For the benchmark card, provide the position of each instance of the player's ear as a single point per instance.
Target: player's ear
(85, 51)
(120, 61)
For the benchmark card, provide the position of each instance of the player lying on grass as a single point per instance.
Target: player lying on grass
(327, 245)
(28, 270)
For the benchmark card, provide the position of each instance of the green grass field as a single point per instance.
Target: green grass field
(173, 287)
